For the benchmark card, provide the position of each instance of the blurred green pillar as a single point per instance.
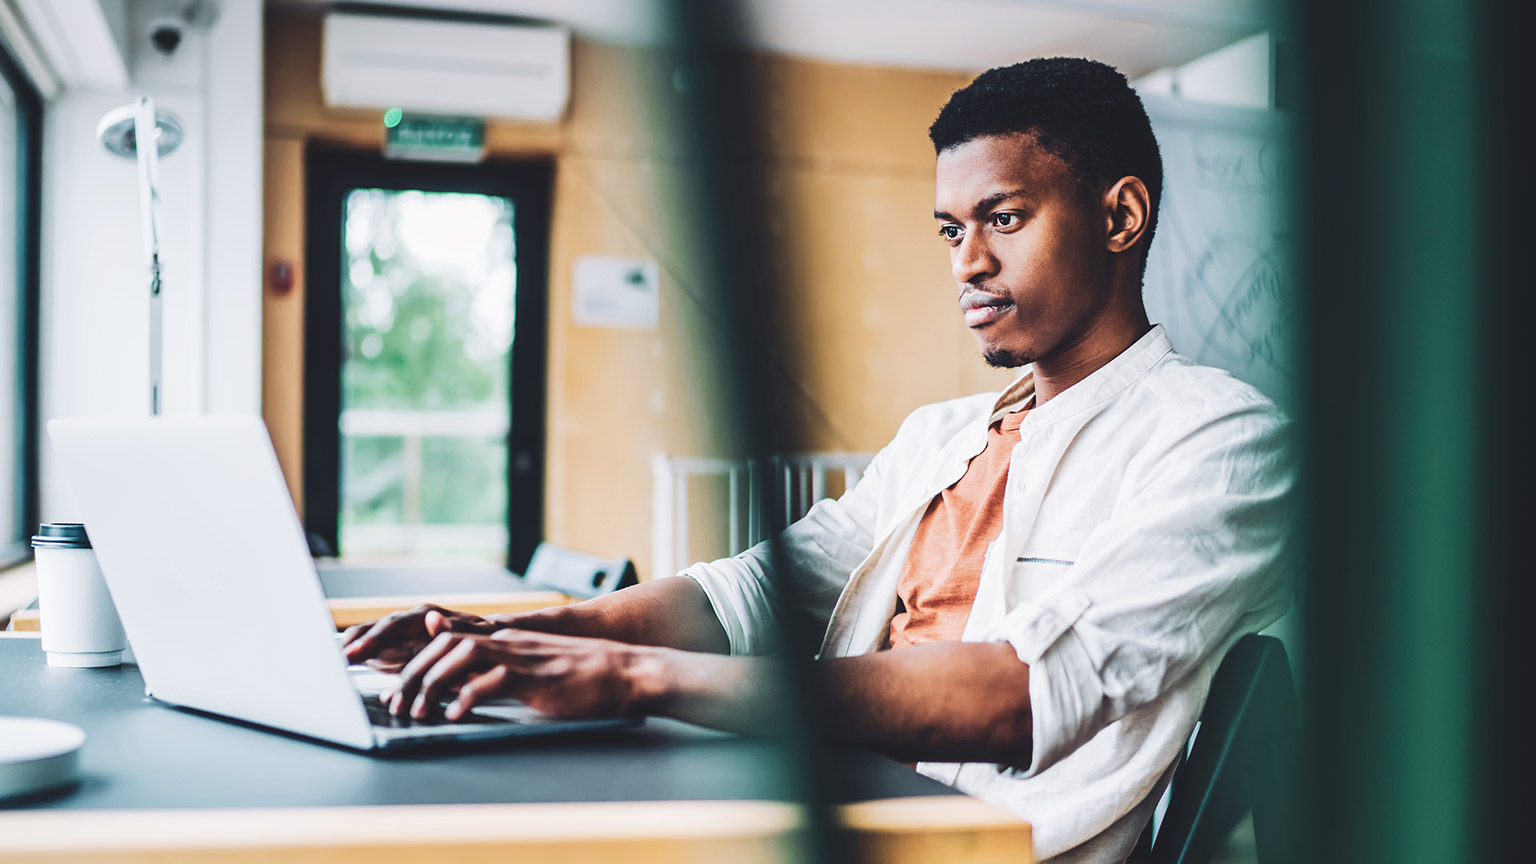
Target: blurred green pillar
(724, 208)
(1416, 308)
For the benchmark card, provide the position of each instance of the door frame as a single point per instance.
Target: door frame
(330, 174)
(14, 544)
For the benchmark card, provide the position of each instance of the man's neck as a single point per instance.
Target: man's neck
(1105, 341)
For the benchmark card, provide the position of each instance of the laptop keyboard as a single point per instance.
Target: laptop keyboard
(379, 716)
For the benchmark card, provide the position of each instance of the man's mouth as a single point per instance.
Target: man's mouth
(981, 308)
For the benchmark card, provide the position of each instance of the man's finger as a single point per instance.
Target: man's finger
(479, 688)
(437, 623)
(476, 625)
(349, 635)
(470, 624)
(391, 659)
(454, 666)
(509, 639)
(393, 630)
(376, 638)
(411, 675)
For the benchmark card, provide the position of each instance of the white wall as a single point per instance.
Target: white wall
(233, 263)
(8, 296)
(94, 334)
(1239, 75)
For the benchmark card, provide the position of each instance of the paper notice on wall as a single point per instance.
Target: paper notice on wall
(616, 292)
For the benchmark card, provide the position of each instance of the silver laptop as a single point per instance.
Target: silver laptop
(207, 562)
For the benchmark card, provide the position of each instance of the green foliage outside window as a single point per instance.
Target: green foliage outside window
(428, 317)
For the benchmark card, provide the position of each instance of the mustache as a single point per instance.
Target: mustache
(972, 297)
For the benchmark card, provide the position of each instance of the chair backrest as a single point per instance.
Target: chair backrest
(577, 574)
(1243, 757)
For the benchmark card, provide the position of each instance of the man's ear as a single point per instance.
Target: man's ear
(1128, 206)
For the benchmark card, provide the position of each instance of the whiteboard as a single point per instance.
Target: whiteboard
(1219, 272)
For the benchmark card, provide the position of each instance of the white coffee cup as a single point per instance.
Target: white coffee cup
(80, 624)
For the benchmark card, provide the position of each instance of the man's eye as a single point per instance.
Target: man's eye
(949, 232)
(1005, 220)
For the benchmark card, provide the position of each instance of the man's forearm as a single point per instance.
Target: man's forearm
(947, 702)
(940, 702)
(671, 613)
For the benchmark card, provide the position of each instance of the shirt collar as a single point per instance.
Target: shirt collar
(1105, 381)
(1018, 394)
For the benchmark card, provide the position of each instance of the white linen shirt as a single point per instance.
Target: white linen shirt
(1144, 527)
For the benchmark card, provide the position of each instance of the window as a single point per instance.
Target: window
(20, 144)
(425, 409)
(425, 358)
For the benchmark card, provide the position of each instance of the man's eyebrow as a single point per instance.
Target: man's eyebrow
(986, 203)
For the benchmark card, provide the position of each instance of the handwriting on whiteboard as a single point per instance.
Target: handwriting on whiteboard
(1219, 272)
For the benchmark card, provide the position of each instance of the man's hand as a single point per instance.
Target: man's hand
(568, 676)
(388, 643)
(944, 701)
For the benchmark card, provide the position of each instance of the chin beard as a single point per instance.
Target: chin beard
(999, 358)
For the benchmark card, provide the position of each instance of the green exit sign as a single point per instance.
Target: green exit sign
(435, 139)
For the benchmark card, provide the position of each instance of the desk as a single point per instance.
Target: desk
(165, 785)
(359, 594)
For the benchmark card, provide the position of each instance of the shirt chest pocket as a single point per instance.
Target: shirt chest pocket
(1031, 574)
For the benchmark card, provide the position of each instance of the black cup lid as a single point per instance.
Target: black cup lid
(61, 535)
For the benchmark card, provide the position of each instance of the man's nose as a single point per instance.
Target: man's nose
(973, 261)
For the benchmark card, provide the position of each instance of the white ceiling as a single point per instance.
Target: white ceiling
(1137, 36)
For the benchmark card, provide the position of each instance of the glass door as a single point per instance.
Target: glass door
(425, 358)
(428, 298)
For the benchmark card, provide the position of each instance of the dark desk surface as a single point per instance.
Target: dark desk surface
(656, 794)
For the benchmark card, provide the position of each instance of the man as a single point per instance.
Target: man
(1028, 592)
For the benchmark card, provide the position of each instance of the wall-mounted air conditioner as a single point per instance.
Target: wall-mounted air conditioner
(446, 67)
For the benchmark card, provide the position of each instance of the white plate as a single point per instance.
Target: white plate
(37, 754)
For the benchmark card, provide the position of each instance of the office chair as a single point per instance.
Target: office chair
(1243, 757)
(578, 574)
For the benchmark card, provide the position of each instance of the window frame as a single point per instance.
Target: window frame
(17, 548)
(330, 175)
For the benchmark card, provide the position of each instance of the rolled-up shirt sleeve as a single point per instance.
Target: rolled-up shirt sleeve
(819, 552)
(1193, 556)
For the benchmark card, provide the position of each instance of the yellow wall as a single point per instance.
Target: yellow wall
(851, 172)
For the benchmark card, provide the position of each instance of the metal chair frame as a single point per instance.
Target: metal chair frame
(1243, 758)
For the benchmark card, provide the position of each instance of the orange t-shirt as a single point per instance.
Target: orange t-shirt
(938, 581)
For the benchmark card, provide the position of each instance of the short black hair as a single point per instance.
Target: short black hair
(1081, 111)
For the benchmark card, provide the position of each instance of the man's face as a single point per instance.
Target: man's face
(1026, 245)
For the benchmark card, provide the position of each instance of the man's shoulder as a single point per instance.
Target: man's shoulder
(1177, 386)
(1174, 391)
(1206, 414)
